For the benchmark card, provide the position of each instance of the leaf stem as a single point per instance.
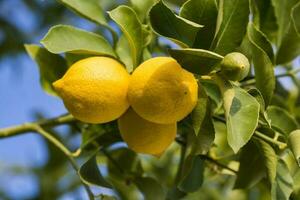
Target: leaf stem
(281, 145)
(207, 158)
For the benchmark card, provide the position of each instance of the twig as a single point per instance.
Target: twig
(68, 154)
(281, 145)
(30, 127)
(207, 158)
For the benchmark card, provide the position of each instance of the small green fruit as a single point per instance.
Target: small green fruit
(235, 66)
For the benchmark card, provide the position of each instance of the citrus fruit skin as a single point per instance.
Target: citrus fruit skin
(161, 91)
(235, 66)
(94, 90)
(143, 136)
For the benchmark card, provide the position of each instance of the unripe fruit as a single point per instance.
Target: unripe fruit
(294, 142)
(94, 90)
(143, 136)
(235, 66)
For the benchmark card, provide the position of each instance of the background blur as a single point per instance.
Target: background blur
(24, 159)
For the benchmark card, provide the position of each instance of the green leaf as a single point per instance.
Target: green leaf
(150, 188)
(269, 159)
(283, 184)
(123, 53)
(63, 38)
(198, 61)
(213, 91)
(294, 144)
(257, 160)
(251, 169)
(132, 29)
(90, 173)
(192, 174)
(202, 124)
(290, 44)
(232, 20)
(142, 7)
(263, 67)
(51, 67)
(281, 120)
(164, 22)
(90, 9)
(264, 17)
(283, 15)
(202, 12)
(242, 113)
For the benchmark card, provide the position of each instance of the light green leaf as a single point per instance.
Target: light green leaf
(192, 174)
(198, 61)
(89, 9)
(123, 53)
(90, 173)
(282, 187)
(51, 67)
(232, 20)
(142, 7)
(132, 29)
(202, 12)
(213, 91)
(290, 44)
(242, 113)
(281, 120)
(150, 188)
(294, 143)
(264, 72)
(63, 38)
(164, 22)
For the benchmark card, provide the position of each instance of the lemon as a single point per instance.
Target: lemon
(235, 66)
(94, 90)
(143, 136)
(161, 91)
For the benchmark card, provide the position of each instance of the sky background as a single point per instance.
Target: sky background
(20, 97)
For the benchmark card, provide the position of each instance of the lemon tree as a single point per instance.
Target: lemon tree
(192, 99)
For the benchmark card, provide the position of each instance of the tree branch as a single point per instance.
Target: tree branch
(31, 127)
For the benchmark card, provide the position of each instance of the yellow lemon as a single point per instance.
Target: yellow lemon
(161, 91)
(143, 136)
(94, 90)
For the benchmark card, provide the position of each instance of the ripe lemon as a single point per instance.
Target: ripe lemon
(161, 91)
(143, 136)
(94, 90)
(235, 66)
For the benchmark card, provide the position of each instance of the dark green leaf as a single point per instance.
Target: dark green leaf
(150, 188)
(166, 23)
(192, 174)
(90, 173)
(202, 12)
(251, 169)
(242, 112)
(264, 72)
(52, 67)
(213, 91)
(63, 38)
(283, 184)
(281, 120)
(197, 61)
(132, 29)
(232, 25)
(202, 124)
(290, 44)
